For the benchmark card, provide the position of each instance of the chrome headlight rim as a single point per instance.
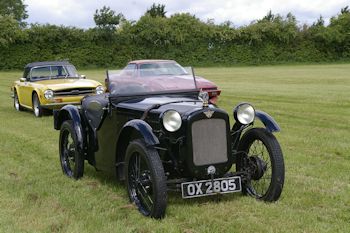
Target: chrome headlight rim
(99, 90)
(244, 113)
(172, 120)
(48, 94)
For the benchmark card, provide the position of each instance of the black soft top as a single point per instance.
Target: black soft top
(47, 63)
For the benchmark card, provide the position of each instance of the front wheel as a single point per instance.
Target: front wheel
(37, 109)
(16, 103)
(260, 157)
(72, 161)
(145, 179)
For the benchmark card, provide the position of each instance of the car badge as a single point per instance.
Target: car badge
(209, 113)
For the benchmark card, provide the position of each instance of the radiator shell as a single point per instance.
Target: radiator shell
(208, 143)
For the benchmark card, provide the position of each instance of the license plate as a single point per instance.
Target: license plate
(208, 187)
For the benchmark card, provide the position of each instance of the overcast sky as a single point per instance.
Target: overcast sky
(79, 13)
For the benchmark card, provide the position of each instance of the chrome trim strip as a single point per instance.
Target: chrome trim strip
(62, 103)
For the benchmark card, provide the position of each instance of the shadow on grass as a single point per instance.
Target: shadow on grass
(173, 196)
(46, 112)
(102, 177)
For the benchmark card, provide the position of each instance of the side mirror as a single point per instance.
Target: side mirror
(83, 76)
(22, 79)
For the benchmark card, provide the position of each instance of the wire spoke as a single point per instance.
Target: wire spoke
(134, 171)
(140, 183)
(258, 152)
(146, 193)
(144, 199)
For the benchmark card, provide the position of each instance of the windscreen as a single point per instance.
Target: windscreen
(151, 78)
(72, 71)
(53, 72)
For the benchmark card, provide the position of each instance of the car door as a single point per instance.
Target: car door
(24, 91)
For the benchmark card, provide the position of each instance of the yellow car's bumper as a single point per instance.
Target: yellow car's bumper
(58, 102)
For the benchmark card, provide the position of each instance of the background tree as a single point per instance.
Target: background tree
(106, 18)
(156, 10)
(10, 30)
(269, 17)
(339, 31)
(345, 10)
(14, 8)
(319, 22)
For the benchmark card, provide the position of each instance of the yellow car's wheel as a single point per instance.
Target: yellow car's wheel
(37, 109)
(16, 103)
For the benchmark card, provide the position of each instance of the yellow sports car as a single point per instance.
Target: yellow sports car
(51, 85)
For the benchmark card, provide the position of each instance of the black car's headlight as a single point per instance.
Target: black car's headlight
(244, 113)
(172, 120)
(100, 90)
(48, 94)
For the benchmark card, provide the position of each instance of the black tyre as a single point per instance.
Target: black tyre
(16, 103)
(37, 109)
(72, 162)
(261, 157)
(145, 179)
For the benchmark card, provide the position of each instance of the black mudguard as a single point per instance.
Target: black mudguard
(270, 123)
(144, 129)
(71, 112)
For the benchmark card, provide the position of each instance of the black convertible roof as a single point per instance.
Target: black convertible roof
(47, 63)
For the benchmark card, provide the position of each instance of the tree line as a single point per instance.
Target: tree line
(182, 36)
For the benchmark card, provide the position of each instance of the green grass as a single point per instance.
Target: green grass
(311, 104)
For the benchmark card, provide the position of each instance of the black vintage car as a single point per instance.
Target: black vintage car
(160, 134)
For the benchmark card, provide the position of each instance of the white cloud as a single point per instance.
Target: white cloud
(79, 13)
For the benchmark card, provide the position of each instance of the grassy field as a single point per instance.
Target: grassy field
(311, 104)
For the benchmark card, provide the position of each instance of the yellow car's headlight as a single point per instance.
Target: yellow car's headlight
(100, 90)
(48, 94)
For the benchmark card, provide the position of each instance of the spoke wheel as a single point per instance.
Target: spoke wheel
(37, 109)
(72, 161)
(16, 103)
(146, 182)
(260, 156)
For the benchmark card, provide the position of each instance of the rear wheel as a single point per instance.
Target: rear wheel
(72, 162)
(37, 109)
(260, 156)
(145, 178)
(16, 103)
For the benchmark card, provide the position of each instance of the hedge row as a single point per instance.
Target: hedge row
(185, 38)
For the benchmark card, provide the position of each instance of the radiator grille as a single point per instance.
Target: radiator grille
(209, 142)
(75, 91)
